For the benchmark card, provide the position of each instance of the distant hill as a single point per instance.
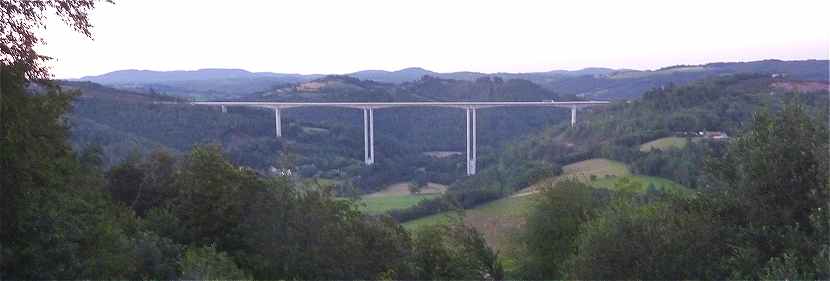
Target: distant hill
(630, 84)
(595, 83)
(403, 75)
(426, 88)
(197, 84)
(133, 76)
(90, 90)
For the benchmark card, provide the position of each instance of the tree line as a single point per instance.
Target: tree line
(760, 212)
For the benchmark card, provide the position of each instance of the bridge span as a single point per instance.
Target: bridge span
(368, 116)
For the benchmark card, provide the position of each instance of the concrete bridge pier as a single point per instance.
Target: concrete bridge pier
(573, 116)
(369, 135)
(277, 122)
(471, 141)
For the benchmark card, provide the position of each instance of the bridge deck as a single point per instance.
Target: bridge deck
(484, 104)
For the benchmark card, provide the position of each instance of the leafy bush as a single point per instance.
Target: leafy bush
(553, 225)
(206, 263)
(453, 252)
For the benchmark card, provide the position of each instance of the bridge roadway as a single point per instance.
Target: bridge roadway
(368, 116)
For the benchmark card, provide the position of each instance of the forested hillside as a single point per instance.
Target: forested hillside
(762, 214)
(325, 142)
(724, 104)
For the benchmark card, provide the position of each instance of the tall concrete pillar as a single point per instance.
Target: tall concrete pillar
(278, 124)
(471, 141)
(475, 144)
(573, 117)
(467, 127)
(223, 108)
(366, 158)
(371, 136)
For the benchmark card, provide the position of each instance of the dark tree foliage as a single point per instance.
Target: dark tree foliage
(682, 165)
(454, 252)
(762, 213)
(658, 240)
(58, 223)
(32, 145)
(210, 196)
(773, 184)
(143, 184)
(553, 226)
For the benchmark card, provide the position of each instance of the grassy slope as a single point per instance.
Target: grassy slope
(382, 204)
(643, 181)
(397, 196)
(501, 219)
(664, 144)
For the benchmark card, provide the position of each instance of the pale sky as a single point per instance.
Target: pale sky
(485, 36)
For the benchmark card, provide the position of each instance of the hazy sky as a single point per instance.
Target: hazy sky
(486, 36)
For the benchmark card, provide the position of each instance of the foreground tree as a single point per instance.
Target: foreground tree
(32, 134)
(763, 216)
(454, 252)
(773, 184)
(553, 226)
(57, 221)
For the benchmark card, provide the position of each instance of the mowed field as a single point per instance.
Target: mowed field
(398, 196)
(643, 182)
(664, 144)
(499, 221)
(582, 171)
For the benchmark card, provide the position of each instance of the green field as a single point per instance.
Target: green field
(497, 220)
(517, 207)
(643, 183)
(322, 182)
(382, 204)
(664, 144)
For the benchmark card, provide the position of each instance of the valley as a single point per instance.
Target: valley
(403, 140)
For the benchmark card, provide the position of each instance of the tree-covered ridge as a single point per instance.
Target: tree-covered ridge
(617, 131)
(719, 104)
